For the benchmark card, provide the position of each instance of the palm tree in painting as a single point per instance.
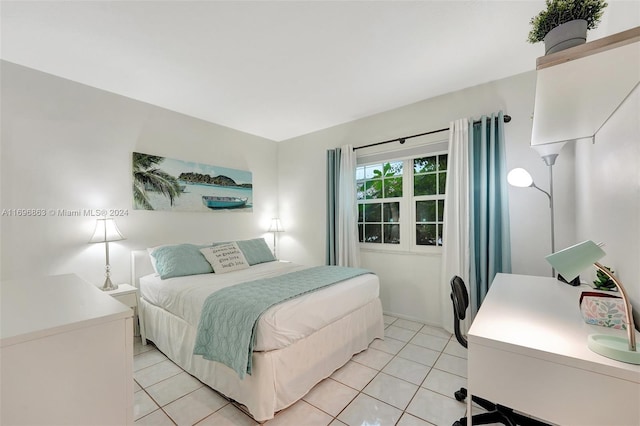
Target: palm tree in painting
(148, 176)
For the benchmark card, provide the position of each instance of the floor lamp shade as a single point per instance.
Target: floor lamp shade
(106, 231)
(519, 177)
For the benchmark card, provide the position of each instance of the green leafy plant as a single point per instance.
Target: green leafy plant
(560, 11)
(603, 282)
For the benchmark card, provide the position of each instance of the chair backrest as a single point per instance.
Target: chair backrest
(460, 299)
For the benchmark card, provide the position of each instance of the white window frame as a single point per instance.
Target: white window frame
(407, 202)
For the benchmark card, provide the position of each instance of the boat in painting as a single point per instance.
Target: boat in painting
(215, 202)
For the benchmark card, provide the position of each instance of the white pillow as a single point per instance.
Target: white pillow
(225, 258)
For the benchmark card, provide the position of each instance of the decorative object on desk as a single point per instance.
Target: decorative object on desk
(574, 282)
(275, 227)
(564, 23)
(105, 232)
(602, 309)
(521, 178)
(570, 262)
(603, 282)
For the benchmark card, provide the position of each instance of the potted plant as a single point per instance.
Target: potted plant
(603, 282)
(564, 23)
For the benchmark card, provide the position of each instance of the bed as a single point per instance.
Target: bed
(298, 343)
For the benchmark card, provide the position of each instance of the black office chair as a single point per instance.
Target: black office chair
(496, 413)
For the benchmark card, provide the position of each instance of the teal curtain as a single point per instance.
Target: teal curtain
(490, 247)
(333, 188)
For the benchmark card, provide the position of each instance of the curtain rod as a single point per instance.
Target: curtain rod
(507, 118)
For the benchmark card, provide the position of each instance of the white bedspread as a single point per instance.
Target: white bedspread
(281, 324)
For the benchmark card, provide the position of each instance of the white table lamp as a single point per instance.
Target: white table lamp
(570, 262)
(106, 231)
(275, 227)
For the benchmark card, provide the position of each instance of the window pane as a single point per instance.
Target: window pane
(373, 171)
(442, 182)
(360, 232)
(393, 169)
(372, 233)
(440, 238)
(425, 164)
(442, 162)
(426, 211)
(424, 185)
(373, 212)
(359, 173)
(393, 187)
(391, 212)
(426, 235)
(360, 190)
(360, 212)
(373, 189)
(440, 210)
(392, 234)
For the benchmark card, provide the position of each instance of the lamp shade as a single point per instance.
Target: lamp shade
(275, 226)
(573, 260)
(106, 230)
(549, 148)
(519, 177)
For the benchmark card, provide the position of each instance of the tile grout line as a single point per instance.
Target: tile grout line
(395, 355)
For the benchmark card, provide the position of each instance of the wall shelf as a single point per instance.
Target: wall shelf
(578, 89)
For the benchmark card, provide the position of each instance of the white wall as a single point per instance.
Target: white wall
(411, 284)
(68, 146)
(608, 195)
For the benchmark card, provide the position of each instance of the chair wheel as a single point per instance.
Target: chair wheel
(460, 396)
(457, 423)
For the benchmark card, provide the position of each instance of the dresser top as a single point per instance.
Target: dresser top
(32, 308)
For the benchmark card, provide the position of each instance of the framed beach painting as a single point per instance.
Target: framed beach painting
(166, 184)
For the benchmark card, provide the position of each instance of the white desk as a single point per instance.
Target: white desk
(528, 350)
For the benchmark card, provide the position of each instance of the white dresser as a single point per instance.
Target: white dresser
(66, 354)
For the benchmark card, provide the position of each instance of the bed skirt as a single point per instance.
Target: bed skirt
(280, 377)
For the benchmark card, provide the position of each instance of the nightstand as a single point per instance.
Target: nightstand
(128, 295)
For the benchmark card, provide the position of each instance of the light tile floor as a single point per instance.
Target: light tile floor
(408, 379)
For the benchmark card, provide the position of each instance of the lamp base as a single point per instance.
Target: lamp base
(613, 347)
(108, 285)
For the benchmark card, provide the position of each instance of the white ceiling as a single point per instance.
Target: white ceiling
(280, 69)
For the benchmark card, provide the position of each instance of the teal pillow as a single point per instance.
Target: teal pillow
(255, 251)
(181, 260)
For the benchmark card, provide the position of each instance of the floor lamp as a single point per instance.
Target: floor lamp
(521, 178)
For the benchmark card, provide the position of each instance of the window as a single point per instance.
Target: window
(429, 183)
(401, 202)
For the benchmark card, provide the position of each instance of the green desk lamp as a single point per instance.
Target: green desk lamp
(573, 260)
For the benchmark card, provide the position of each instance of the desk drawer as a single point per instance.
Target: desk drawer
(553, 392)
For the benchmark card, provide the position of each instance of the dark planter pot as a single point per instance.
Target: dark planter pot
(569, 34)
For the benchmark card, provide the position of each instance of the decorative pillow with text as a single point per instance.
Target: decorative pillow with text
(225, 258)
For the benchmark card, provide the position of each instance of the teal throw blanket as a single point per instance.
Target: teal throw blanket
(226, 332)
